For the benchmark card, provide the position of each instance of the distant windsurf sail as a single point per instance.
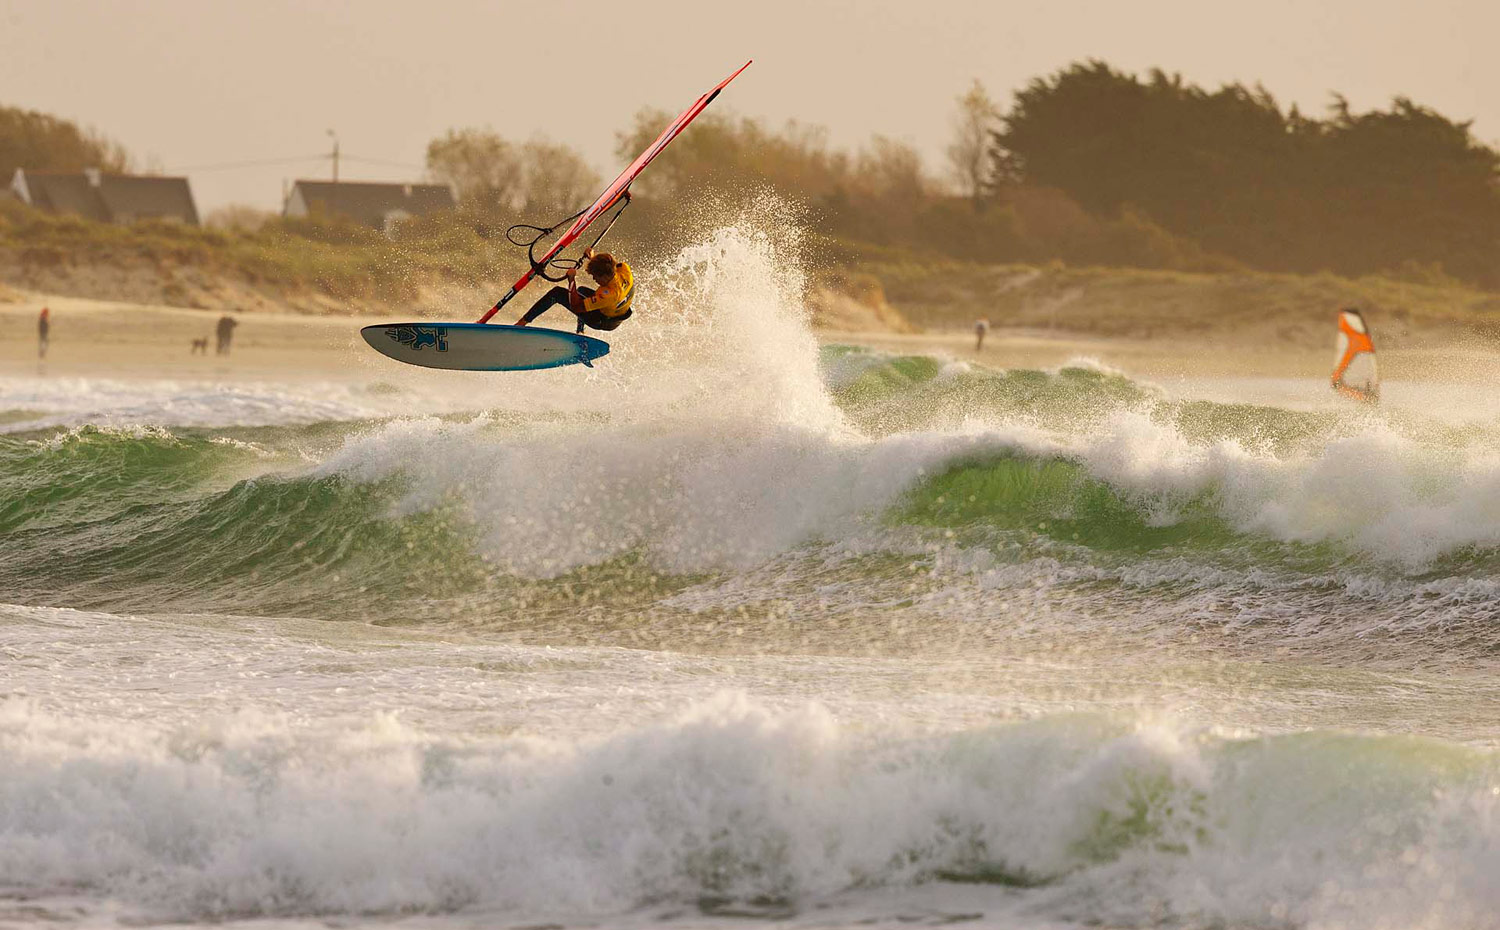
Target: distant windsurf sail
(1354, 371)
(617, 191)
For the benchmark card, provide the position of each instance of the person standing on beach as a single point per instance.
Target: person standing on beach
(43, 329)
(225, 332)
(981, 326)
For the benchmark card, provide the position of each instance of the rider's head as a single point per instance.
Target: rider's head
(602, 267)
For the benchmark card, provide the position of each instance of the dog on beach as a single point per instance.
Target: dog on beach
(200, 346)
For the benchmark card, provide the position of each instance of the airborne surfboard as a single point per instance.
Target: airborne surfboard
(482, 346)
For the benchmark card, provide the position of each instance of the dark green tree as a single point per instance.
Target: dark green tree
(1231, 170)
(29, 139)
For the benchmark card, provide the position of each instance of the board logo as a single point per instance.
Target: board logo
(419, 337)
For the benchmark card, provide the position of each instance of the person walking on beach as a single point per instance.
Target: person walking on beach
(981, 326)
(43, 329)
(225, 332)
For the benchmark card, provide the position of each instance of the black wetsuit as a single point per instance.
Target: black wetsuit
(558, 297)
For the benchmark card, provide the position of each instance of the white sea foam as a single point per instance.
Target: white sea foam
(692, 496)
(1383, 494)
(1130, 823)
(56, 402)
(710, 491)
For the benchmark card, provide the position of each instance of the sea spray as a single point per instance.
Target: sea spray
(724, 334)
(720, 446)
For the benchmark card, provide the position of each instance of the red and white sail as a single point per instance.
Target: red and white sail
(617, 188)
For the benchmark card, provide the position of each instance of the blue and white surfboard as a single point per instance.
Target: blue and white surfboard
(482, 346)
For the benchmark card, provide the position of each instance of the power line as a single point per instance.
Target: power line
(383, 162)
(261, 163)
(271, 162)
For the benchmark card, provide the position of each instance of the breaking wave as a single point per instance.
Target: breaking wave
(732, 808)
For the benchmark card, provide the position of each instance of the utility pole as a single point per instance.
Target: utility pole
(335, 138)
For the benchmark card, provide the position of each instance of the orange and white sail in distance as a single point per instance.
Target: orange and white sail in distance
(1354, 372)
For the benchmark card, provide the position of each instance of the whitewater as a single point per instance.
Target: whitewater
(739, 629)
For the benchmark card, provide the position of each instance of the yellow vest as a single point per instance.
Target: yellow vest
(613, 299)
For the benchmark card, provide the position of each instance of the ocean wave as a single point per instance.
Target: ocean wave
(699, 498)
(438, 507)
(1099, 820)
(721, 440)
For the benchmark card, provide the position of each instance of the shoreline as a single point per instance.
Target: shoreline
(105, 339)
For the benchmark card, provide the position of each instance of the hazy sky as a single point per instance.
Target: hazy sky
(205, 82)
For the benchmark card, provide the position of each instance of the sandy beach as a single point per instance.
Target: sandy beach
(102, 338)
(124, 340)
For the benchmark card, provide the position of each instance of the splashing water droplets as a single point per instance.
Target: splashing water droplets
(723, 331)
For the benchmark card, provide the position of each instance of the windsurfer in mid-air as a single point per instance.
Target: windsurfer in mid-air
(477, 347)
(603, 308)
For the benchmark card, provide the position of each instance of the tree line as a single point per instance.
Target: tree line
(1089, 166)
(1230, 169)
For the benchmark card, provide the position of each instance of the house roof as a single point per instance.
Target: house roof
(137, 197)
(58, 192)
(107, 197)
(370, 202)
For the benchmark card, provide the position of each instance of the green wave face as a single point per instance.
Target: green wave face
(892, 395)
(1056, 499)
(137, 519)
(1053, 508)
(297, 521)
(231, 522)
(77, 474)
(1063, 496)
